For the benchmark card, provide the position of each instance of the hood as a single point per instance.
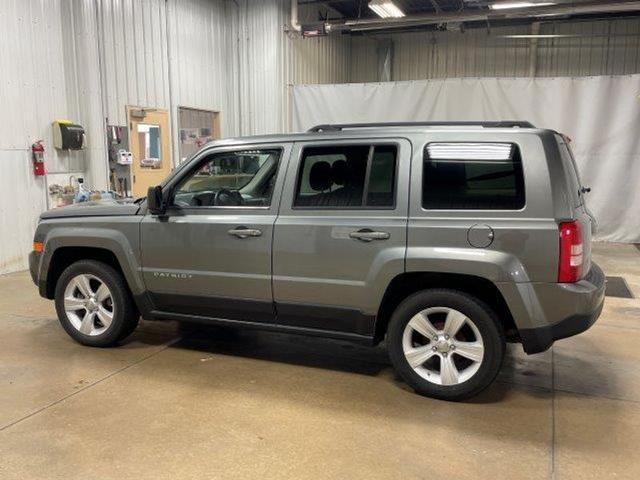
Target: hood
(99, 208)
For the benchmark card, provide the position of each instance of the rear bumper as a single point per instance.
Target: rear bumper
(585, 299)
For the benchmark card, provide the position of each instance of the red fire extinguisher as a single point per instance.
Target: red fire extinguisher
(37, 151)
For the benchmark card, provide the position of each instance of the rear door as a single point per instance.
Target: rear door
(340, 236)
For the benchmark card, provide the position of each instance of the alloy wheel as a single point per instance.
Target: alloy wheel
(88, 304)
(443, 346)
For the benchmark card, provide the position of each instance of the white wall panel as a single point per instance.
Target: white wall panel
(263, 66)
(133, 55)
(199, 53)
(270, 61)
(202, 52)
(33, 92)
(22, 199)
(83, 84)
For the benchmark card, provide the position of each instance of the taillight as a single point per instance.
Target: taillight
(571, 258)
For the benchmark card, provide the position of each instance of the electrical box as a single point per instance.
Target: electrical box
(124, 158)
(67, 135)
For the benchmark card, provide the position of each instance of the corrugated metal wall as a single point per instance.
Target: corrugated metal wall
(32, 93)
(202, 54)
(605, 48)
(270, 60)
(133, 54)
(452, 54)
(262, 66)
(364, 60)
(608, 47)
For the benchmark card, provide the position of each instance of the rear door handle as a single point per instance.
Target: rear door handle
(368, 235)
(244, 232)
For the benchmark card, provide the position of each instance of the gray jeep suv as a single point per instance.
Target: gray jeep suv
(444, 240)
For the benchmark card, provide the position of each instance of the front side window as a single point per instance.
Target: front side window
(472, 176)
(230, 179)
(347, 176)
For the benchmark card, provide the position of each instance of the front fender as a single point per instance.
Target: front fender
(124, 244)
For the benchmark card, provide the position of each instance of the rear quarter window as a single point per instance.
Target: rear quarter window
(571, 169)
(472, 176)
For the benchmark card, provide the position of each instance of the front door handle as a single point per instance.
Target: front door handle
(368, 235)
(244, 232)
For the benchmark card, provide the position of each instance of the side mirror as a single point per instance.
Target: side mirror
(155, 204)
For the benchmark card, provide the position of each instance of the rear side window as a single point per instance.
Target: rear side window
(472, 176)
(347, 176)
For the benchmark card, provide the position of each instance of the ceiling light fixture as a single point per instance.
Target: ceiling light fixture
(385, 9)
(509, 5)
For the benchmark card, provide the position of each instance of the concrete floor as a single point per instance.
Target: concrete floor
(182, 402)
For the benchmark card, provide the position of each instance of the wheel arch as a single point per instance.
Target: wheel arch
(408, 283)
(67, 244)
(63, 257)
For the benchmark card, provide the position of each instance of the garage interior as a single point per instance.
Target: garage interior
(155, 80)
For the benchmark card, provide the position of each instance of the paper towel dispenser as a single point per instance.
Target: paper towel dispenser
(67, 135)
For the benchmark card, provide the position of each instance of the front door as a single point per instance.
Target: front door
(340, 237)
(149, 145)
(210, 255)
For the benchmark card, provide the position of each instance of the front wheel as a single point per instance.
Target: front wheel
(445, 344)
(94, 305)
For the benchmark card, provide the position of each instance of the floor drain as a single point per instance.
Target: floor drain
(617, 287)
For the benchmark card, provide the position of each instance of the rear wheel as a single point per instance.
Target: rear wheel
(94, 305)
(445, 344)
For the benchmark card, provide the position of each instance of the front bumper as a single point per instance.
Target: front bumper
(585, 300)
(34, 265)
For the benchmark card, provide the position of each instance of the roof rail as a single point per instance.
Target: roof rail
(496, 124)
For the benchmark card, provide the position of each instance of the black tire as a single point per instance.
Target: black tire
(125, 315)
(484, 319)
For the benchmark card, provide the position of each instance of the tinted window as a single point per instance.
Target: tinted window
(472, 176)
(571, 168)
(244, 178)
(382, 176)
(346, 176)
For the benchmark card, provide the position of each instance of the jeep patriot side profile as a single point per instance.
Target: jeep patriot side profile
(444, 240)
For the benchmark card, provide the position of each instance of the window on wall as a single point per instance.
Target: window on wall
(472, 176)
(347, 176)
(195, 128)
